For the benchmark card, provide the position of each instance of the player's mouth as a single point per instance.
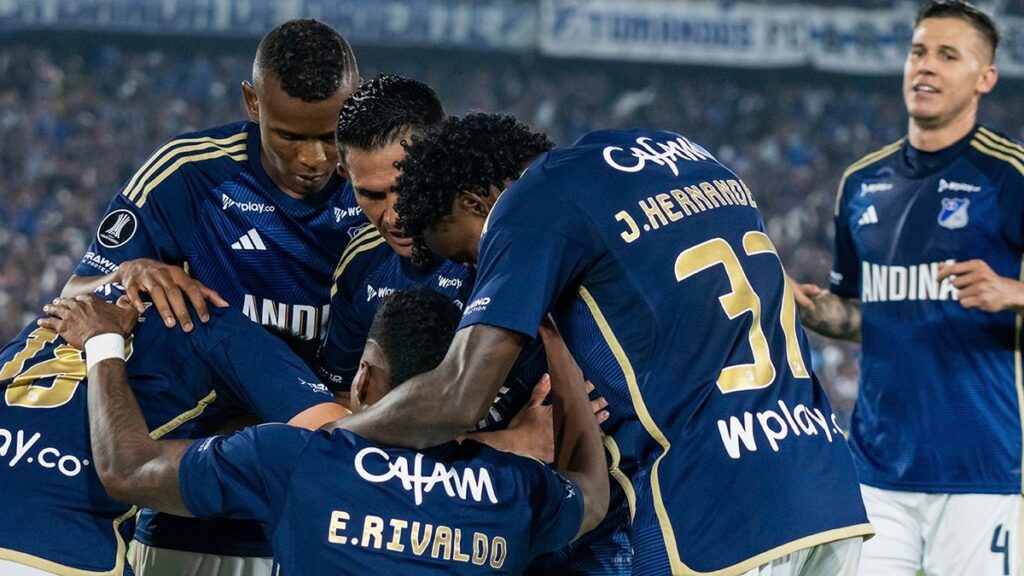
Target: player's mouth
(924, 89)
(399, 238)
(309, 180)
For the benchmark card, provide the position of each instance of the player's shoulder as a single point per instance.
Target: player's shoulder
(872, 161)
(999, 149)
(365, 252)
(217, 153)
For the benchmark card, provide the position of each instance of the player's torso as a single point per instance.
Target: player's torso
(942, 365)
(397, 511)
(684, 323)
(55, 509)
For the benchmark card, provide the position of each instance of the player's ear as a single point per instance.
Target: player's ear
(340, 168)
(474, 204)
(361, 384)
(252, 103)
(987, 80)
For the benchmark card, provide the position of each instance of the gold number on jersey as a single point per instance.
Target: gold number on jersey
(742, 299)
(66, 367)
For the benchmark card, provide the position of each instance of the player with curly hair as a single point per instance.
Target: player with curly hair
(652, 257)
(259, 215)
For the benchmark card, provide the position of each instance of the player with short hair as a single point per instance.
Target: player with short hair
(256, 212)
(653, 257)
(335, 502)
(56, 518)
(373, 124)
(928, 246)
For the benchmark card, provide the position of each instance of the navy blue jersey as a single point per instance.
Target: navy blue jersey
(56, 515)
(204, 200)
(335, 503)
(370, 270)
(940, 385)
(653, 258)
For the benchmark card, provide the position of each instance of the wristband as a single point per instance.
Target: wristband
(103, 347)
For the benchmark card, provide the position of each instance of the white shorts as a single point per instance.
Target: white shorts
(8, 568)
(837, 558)
(150, 561)
(942, 534)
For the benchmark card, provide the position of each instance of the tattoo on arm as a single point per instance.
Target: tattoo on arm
(834, 317)
(132, 466)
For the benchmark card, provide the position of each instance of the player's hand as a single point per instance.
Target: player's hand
(167, 286)
(82, 317)
(804, 294)
(531, 431)
(980, 287)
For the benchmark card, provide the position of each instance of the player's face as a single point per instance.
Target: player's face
(946, 71)
(373, 175)
(297, 137)
(456, 237)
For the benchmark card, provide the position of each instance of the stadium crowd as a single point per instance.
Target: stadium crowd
(73, 126)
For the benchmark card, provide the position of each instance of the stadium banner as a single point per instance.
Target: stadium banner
(853, 41)
(478, 24)
(675, 32)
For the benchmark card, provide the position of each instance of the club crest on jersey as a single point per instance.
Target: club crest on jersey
(117, 228)
(954, 213)
(355, 229)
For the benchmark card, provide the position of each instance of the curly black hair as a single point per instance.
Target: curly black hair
(414, 330)
(309, 58)
(473, 154)
(383, 109)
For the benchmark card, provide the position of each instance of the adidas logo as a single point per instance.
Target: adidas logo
(249, 241)
(870, 216)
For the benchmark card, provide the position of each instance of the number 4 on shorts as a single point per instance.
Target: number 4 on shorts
(1002, 546)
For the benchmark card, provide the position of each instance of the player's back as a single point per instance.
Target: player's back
(676, 305)
(335, 502)
(56, 515)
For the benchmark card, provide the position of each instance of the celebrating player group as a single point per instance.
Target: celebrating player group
(354, 335)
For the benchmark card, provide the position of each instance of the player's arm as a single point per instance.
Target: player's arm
(447, 401)
(579, 453)
(980, 287)
(826, 313)
(132, 466)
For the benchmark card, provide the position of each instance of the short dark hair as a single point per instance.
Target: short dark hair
(383, 109)
(965, 11)
(471, 154)
(309, 58)
(414, 330)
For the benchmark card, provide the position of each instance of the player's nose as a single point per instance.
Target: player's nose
(312, 154)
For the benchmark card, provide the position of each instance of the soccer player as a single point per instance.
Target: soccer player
(257, 212)
(373, 123)
(928, 246)
(653, 257)
(335, 502)
(56, 518)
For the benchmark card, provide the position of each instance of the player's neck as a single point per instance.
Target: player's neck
(933, 139)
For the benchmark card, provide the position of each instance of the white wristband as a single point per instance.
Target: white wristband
(103, 347)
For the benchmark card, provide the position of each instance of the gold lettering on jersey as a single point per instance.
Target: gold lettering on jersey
(438, 542)
(338, 524)
(663, 209)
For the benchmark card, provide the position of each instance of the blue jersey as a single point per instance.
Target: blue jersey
(335, 503)
(653, 258)
(940, 385)
(370, 270)
(56, 514)
(204, 200)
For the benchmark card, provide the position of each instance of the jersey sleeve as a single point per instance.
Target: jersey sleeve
(242, 476)
(557, 506)
(347, 325)
(151, 217)
(255, 367)
(844, 279)
(529, 254)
